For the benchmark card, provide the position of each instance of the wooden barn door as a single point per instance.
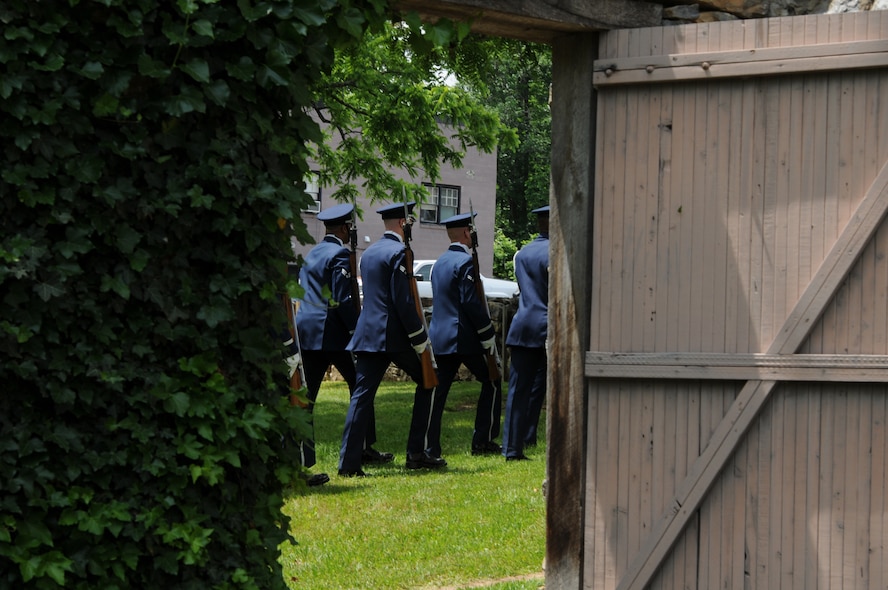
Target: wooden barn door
(738, 359)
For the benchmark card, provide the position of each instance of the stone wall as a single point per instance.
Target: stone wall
(720, 10)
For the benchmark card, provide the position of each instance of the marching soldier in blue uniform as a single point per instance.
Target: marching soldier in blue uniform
(527, 340)
(389, 330)
(461, 332)
(327, 317)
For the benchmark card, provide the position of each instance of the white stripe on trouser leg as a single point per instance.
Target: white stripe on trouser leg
(425, 441)
(492, 410)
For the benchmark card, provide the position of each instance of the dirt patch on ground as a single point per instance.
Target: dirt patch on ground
(487, 583)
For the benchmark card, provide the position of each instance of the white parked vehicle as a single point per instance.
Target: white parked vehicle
(493, 288)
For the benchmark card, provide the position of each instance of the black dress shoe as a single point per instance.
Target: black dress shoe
(318, 479)
(424, 460)
(521, 457)
(352, 473)
(488, 448)
(371, 455)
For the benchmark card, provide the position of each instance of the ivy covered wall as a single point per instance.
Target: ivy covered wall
(150, 149)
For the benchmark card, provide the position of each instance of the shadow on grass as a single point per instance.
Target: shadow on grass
(479, 522)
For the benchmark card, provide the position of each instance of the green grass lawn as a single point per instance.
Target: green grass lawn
(479, 522)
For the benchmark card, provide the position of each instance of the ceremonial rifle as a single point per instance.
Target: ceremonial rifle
(297, 380)
(492, 357)
(353, 262)
(427, 358)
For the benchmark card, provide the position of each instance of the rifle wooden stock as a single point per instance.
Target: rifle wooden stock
(353, 268)
(297, 381)
(429, 375)
(493, 369)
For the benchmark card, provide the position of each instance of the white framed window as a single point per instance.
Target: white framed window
(443, 202)
(314, 191)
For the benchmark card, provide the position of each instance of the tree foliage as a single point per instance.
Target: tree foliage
(387, 105)
(515, 80)
(150, 149)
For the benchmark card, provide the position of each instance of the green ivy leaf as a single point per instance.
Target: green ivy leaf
(52, 64)
(92, 70)
(177, 403)
(312, 14)
(86, 168)
(35, 532)
(106, 105)
(218, 91)
(203, 27)
(352, 21)
(187, 6)
(139, 260)
(189, 101)
(46, 291)
(197, 69)
(214, 315)
(152, 68)
(109, 283)
(127, 238)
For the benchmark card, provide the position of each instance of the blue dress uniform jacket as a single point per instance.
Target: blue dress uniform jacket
(386, 332)
(460, 322)
(527, 340)
(460, 319)
(326, 323)
(530, 324)
(388, 322)
(326, 318)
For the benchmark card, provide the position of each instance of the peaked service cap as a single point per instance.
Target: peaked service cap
(541, 210)
(461, 220)
(396, 210)
(336, 215)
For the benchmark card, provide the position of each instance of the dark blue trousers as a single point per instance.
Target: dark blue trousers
(527, 389)
(489, 409)
(371, 367)
(316, 363)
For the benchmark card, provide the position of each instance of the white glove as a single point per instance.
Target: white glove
(292, 364)
(489, 345)
(420, 348)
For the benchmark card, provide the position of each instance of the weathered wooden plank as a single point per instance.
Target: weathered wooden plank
(783, 198)
(603, 215)
(782, 467)
(749, 62)
(596, 464)
(631, 256)
(812, 492)
(836, 509)
(541, 21)
(666, 253)
(573, 134)
(776, 49)
(671, 432)
(752, 397)
(850, 375)
(648, 213)
(727, 360)
(864, 487)
(778, 560)
(877, 509)
(612, 483)
(762, 536)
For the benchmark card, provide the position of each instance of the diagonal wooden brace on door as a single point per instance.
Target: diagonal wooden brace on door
(751, 399)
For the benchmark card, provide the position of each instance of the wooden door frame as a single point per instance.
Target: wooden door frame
(574, 114)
